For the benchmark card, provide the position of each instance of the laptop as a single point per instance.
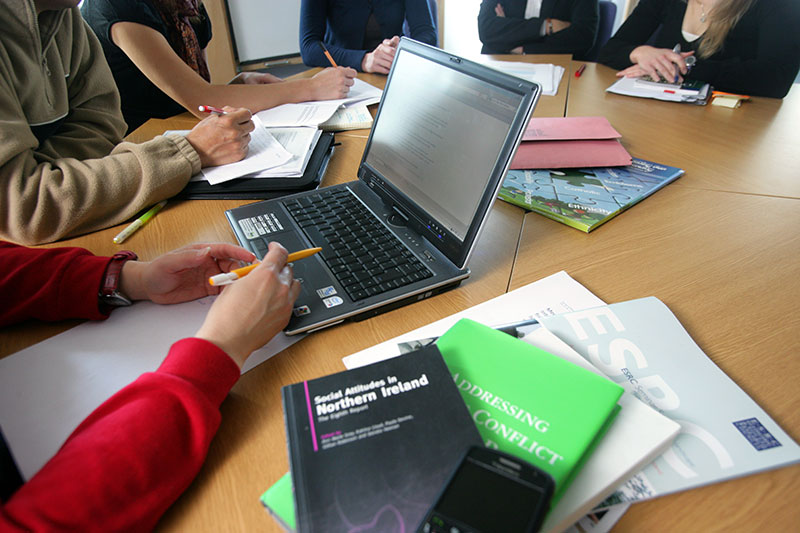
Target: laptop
(441, 144)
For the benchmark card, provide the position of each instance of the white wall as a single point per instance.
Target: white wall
(461, 27)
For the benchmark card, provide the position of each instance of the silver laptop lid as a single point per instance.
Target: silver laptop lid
(443, 138)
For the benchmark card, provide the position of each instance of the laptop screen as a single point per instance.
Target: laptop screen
(442, 141)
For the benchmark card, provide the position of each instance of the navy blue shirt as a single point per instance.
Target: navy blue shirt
(141, 99)
(341, 24)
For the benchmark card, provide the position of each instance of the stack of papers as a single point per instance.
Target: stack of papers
(639, 433)
(354, 117)
(285, 136)
(635, 87)
(294, 145)
(315, 113)
(545, 74)
(265, 153)
(300, 143)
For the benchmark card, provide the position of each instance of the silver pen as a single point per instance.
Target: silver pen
(677, 50)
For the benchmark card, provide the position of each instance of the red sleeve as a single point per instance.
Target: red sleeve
(135, 454)
(49, 283)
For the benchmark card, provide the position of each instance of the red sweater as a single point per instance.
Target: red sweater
(136, 453)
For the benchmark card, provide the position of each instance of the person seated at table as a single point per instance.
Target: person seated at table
(537, 26)
(64, 169)
(156, 50)
(131, 458)
(741, 46)
(362, 34)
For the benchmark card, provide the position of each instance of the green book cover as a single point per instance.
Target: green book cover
(584, 198)
(279, 501)
(527, 402)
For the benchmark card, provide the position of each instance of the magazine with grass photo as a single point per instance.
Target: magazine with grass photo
(584, 198)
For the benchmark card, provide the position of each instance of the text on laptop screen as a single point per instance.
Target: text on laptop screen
(438, 137)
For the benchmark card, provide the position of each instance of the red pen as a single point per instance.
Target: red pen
(212, 109)
(580, 70)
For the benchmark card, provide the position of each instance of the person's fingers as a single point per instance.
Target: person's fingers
(182, 259)
(285, 276)
(229, 251)
(294, 291)
(276, 256)
(668, 67)
(237, 115)
(246, 126)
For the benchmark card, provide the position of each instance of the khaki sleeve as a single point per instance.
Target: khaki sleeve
(81, 180)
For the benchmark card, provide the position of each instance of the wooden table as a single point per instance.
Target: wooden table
(721, 247)
(754, 149)
(724, 261)
(249, 451)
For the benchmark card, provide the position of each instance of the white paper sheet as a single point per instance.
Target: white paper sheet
(553, 295)
(290, 115)
(315, 113)
(265, 152)
(360, 93)
(628, 87)
(48, 389)
(545, 74)
(299, 142)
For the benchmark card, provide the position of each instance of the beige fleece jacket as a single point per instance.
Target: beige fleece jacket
(82, 177)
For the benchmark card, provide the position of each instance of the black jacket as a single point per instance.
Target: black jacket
(501, 34)
(760, 56)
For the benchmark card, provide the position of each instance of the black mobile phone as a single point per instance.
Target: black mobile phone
(491, 491)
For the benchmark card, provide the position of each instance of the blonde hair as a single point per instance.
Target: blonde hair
(722, 18)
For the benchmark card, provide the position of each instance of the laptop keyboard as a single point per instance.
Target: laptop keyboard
(366, 258)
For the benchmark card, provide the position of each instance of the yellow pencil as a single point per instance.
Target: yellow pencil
(229, 277)
(328, 55)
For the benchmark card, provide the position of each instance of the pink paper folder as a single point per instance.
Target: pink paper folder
(570, 142)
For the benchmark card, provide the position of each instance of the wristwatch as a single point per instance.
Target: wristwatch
(109, 295)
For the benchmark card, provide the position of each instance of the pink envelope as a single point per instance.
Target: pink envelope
(570, 154)
(570, 142)
(569, 129)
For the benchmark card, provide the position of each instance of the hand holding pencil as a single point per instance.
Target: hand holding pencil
(222, 138)
(180, 275)
(332, 83)
(248, 313)
(229, 277)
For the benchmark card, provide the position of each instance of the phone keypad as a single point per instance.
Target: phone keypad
(438, 524)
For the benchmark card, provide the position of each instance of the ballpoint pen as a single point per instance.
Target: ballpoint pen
(515, 329)
(229, 277)
(677, 50)
(328, 54)
(138, 223)
(580, 70)
(212, 109)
